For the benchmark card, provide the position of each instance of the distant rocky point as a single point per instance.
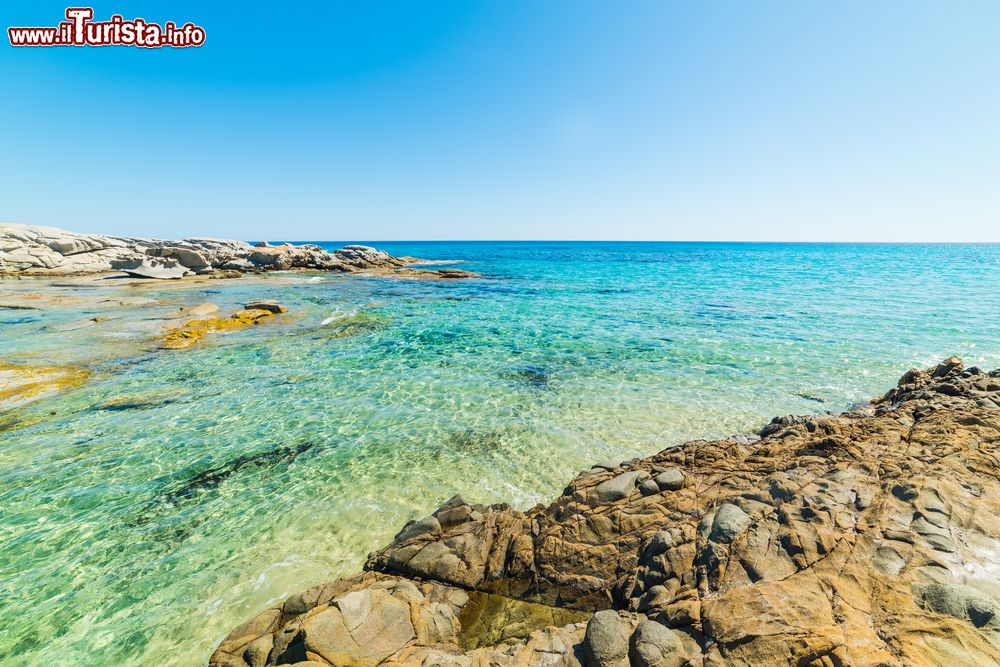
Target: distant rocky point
(47, 251)
(866, 538)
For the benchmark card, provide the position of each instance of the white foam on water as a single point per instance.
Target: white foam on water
(437, 262)
(339, 314)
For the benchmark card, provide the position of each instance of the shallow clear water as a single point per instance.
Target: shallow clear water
(176, 494)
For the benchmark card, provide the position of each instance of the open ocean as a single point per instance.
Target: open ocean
(178, 493)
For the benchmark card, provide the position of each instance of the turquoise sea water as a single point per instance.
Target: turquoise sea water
(177, 493)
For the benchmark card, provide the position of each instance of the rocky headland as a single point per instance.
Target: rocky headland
(865, 538)
(47, 251)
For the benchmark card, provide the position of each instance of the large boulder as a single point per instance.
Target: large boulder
(606, 643)
(159, 269)
(363, 627)
(655, 645)
(188, 258)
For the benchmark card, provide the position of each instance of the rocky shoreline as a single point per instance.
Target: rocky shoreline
(866, 538)
(47, 251)
(61, 268)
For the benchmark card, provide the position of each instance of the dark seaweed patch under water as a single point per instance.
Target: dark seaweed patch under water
(9, 422)
(164, 533)
(27, 319)
(534, 377)
(350, 326)
(136, 403)
(213, 477)
(476, 440)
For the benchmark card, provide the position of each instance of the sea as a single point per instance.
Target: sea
(176, 494)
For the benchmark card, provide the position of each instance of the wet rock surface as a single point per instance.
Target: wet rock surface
(866, 538)
(22, 383)
(186, 333)
(47, 251)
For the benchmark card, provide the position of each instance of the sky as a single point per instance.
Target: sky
(563, 119)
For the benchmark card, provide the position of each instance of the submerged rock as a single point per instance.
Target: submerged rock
(190, 332)
(197, 310)
(270, 306)
(355, 324)
(433, 274)
(868, 538)
(21, 383)
(81, 324)
(127, 302)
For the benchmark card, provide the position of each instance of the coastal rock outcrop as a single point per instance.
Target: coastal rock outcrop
(47, 251)
(866, 538)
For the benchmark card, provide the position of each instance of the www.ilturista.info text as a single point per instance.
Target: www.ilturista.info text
(80, 30)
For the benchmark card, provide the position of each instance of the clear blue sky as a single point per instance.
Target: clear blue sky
(799, 120)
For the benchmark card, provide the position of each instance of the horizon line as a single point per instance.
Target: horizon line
(622, 241)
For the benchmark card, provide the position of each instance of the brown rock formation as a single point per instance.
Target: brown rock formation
(867, 538)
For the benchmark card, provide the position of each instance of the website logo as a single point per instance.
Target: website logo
(79, 29)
